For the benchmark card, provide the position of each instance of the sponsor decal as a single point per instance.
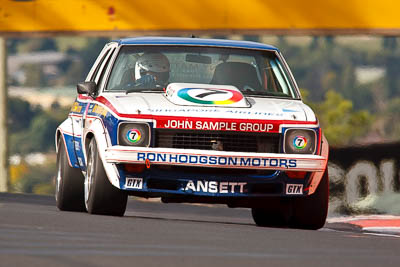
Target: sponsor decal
(217, 160)
(99, 110)
(135, 183)
(133, 135)
(300, 142)
(80, 161)
(215, 187)
(77, 146)
(210, 96)
(76, 107)
(218, 125)
(294, 189)
(208, 110)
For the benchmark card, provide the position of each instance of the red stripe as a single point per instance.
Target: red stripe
(84, 97)
(204, 123)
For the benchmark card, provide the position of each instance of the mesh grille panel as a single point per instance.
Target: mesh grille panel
(221, 141)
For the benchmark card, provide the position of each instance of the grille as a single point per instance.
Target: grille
(271, 188)
(162, 184)
(221, 141)
(181, 170)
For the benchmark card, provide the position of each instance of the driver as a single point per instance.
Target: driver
(152, 70)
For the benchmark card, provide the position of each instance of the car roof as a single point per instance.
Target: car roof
(194, 42)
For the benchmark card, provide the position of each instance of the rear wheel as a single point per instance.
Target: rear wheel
(101, 197)
(310, 212)
(69, 182)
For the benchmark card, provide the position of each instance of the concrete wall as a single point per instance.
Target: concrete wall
(365, 179)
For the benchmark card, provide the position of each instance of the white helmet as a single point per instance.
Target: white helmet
(155, 64)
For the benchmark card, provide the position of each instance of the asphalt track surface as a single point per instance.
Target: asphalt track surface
(33, 232)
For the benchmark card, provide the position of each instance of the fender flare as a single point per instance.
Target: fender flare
(95, 129)
(64, 131)
(317, 176)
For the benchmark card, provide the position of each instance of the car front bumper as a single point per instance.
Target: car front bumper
(215, 159)
(216, 174)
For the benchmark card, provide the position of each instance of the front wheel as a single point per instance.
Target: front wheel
(311, 211)
(274, 212)
(101, 197)
(307, 212)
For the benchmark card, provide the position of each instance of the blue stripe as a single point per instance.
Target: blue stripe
(72, 155)
(195, 42)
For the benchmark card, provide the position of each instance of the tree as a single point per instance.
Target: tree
(31, 128)
(340, 123)
(20, 114)
(391, 118)
(37, 179)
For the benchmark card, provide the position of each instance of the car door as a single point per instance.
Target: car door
(97, 74)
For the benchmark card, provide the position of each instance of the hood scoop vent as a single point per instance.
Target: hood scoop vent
(193, 94)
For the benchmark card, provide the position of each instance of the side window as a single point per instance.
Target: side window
(102, 73)
(102, 66)
(99, 67)
(96, 66)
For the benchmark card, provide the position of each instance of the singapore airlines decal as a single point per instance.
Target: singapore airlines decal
(205, 95)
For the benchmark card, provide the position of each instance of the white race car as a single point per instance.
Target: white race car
(193, 120)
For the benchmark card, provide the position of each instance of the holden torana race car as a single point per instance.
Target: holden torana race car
(193, 120)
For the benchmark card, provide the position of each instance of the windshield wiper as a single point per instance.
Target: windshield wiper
(264, 93)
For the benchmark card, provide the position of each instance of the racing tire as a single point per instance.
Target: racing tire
(101, 197)
(69, 183)
(311, 211)
(275, 214)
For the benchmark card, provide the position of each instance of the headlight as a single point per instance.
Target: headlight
(133, 134)
(300, 141)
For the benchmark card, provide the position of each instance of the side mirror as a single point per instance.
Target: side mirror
(87, 88)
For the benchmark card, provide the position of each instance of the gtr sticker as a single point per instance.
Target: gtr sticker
(133, 135)
(294, 189)
(135, 183)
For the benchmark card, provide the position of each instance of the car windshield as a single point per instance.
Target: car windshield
(152, 68)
